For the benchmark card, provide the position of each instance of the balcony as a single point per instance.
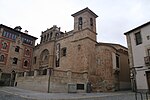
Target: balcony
(147, 60)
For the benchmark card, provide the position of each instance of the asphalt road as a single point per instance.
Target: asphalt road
(8, 96)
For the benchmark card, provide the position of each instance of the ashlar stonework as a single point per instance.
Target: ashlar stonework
(75, 62)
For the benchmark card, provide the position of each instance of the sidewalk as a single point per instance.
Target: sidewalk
(122, 95)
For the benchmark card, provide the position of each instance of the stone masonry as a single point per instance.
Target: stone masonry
(75, 62)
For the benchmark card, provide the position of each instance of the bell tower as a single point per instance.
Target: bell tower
(85, 19)
(84, 40)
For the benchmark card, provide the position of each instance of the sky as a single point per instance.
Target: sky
(115, 16)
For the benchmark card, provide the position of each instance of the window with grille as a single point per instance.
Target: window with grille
(80, 86)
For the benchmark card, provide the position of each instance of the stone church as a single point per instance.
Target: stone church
(75, 62)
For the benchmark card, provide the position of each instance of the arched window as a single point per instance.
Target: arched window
(1, 58)
(91, 21)
(25, 63)
(80, 22)
(44, 55)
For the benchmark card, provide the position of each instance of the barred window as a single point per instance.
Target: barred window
(80, 86)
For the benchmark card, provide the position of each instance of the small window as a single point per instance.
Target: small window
(80, 22)
(27, 52)
(7, 34)
(34, 61)
(15, 60)
(17, 48)
(4, 45)
(117, 61)
(148, 52)
(26, 63)
(80, 86)
(10, 35)
(91, 21)
(148, 37)
(1, 58)
(138, 38)
(4, 34)
(45, 72)
(63, 51)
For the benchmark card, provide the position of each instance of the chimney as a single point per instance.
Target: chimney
(18, 28)
(26, 31)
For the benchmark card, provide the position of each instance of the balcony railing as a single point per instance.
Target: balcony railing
(147, 60)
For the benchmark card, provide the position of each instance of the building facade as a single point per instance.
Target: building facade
(138, 40)
(75, 62)
(16, 49)
(112, 70)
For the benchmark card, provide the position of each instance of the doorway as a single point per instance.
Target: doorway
(148, 78)
(13, 76)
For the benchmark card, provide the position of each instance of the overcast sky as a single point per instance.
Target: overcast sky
(115, 16)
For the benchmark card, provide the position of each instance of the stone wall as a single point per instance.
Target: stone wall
(38, 83)
(57, 82)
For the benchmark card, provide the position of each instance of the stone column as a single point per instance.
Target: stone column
(35, 72)
(48, 71)
(25, 74)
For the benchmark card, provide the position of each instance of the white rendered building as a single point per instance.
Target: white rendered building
(138, 40)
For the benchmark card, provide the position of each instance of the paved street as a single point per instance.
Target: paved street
(8, 96)
(13, 93)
